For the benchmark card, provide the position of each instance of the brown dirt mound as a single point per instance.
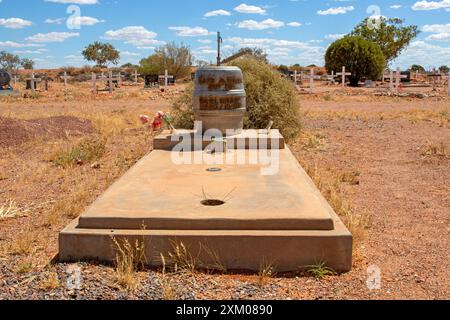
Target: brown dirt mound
(14, 132)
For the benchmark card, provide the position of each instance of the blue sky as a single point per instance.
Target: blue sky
(54, 32)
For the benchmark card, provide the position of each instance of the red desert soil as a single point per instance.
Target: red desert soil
(397, 152)
(14, 132)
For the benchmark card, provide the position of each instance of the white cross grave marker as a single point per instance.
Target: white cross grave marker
(33, 87)
(447, 77)
(398, 77)
(110, 81)
(343, 74)
(136, 74)
(330, 77)
(94, 83)
(65, 77)
(311, 78)
(166, 78)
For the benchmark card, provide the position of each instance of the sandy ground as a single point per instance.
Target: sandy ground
(396, 151)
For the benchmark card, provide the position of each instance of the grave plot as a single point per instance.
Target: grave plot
(245, 210)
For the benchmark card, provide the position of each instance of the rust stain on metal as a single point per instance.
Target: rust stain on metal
(220, 103)
(227, 83)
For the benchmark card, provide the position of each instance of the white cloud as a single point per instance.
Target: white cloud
(52, 37)
(191, 31)
(436, 28)
(424, 53)
(74, 1)
(215, 13)
(15, 23)
(444, 36)
(12, 44)
(334, 11)
(204, 41)
(137, 36)
(294, 24)
(441, 32)
(335, 36)
(431, 5)
(245, 8)
(262, 25)
(395, 6)
(83, 21)
(54, 21)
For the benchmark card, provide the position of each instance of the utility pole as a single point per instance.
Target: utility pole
(219, 42)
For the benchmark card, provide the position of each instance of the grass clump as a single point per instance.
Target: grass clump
(182, 259)
(129, 258)
(266, 272)
(90, 149)
(320, 270)
(9, 209)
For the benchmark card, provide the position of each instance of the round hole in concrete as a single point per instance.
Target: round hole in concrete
(213, 169)
(212, 202)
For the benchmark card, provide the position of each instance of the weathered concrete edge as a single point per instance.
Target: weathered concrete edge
(237, 250)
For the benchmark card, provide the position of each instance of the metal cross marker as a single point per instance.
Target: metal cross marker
(343, 74)
(311, 78)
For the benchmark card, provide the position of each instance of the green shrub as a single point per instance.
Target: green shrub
(182, 111)
(269, 97)
(360, 57)
(87, 150)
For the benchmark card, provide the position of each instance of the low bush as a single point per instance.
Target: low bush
(269, 98)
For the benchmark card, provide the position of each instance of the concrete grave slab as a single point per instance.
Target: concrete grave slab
(281, 218)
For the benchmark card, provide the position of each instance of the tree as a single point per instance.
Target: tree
(27, 64)
(129, 66)
(9, 62)
(391, 35)
(444, 69)
(417, 67)
(283, 69)
(360, 57)
(176, 59)
(257, 53)
(101, 53)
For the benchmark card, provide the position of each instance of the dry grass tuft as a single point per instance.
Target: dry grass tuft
(9, 209)
(168, 291)
(266, 272)
(90, 149)
(310, 141)
(216, 263)
(434, 150)
(23, 244)
(182, 259)
(24, 267)
(330, 186)
(129, 258)
(51, 282)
